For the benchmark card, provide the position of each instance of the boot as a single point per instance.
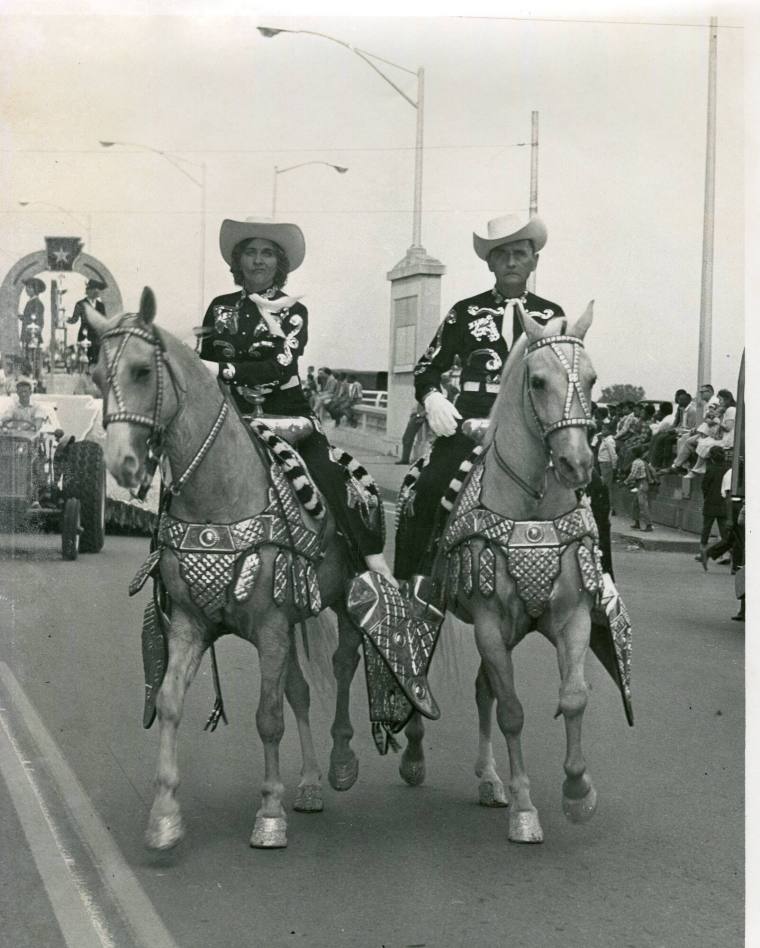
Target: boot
(703, 555)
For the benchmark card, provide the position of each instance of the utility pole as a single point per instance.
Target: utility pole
(533, 181)
(704, 366)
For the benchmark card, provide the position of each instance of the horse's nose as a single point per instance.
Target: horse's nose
(127, 472)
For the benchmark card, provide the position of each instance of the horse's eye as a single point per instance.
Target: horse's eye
(140, 373)
(537, 383)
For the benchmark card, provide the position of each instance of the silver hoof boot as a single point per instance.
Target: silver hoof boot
(343, 776)
(412, 771)
(580, 811)
(524, 827)
(164, 832)
(492, 793)
(270, 832)
(309, 799)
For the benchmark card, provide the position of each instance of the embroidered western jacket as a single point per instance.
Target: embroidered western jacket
(264, 360)
(472, 330)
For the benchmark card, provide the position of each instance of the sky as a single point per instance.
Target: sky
(622, 131)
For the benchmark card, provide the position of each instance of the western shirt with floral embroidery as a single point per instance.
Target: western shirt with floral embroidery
(472, 330)
(266, 351)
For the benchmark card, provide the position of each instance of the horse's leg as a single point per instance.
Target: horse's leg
(412, 765)
(344, 766)
(186, 647)
(491, 790)
(309, 792)
(578, 793)
(524, 826)
(274, 644)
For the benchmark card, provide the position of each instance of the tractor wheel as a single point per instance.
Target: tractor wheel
(70, 532)
(85, 478)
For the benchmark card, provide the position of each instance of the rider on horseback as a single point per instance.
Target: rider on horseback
(478, 330)
(257, 335)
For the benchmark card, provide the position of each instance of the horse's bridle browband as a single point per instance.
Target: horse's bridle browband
(157, 435)
(573, 385)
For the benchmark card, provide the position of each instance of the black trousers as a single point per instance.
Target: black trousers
(415, 533)
(331, 480)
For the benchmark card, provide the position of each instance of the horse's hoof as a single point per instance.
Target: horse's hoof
(309, 799)
(269, 832)
(164, 832)
(412, 771)
(580, 811)
(492, 793)
(524, 827)
(343, 776)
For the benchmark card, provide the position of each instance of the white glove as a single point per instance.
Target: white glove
(442, 416)
(228, 372)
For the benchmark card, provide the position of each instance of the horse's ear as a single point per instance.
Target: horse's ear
(580, 328)
(531, 328)
(147, 311)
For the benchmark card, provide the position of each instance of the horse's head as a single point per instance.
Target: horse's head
(140, 387)
(559, 378)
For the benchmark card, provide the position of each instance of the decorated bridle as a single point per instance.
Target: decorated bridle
(157, 431)
(567, 420)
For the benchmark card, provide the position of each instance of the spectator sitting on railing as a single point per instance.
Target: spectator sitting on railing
(355, 396)
(664, 441)
(688, 442)
(724, 435)
(328, 385)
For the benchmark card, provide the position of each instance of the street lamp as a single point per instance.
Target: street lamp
(63, 210)
(277, 171)
(419, 105)
(200, 183)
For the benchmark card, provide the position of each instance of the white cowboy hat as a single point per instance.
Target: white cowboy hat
(288, 236)
(510, 227)
(23, 380)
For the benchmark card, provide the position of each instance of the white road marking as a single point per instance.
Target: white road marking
(79, 923)
(136, 907)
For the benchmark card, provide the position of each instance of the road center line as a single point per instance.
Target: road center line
(114, 871)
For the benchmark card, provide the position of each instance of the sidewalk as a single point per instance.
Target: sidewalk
(389, 475)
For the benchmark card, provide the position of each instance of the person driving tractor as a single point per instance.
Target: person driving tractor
(23, 413)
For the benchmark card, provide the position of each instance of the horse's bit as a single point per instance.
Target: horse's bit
(157, 431)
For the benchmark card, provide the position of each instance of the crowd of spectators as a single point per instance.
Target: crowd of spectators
(334, 395)
(667, 434)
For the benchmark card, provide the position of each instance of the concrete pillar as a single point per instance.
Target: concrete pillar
(415, 317)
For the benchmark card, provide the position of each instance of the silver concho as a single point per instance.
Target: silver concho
(208, 537)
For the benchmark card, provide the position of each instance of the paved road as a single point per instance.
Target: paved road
(661, 864)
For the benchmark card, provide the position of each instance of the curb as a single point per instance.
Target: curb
(653, 543)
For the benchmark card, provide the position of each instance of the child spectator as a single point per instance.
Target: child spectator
(639, 481)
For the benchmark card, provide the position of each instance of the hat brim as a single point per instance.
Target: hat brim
(95, 285)
(288, 236)
(534, 230)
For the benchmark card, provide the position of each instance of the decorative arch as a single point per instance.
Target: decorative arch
(12, 286)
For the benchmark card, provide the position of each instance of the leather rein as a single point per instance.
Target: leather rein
(566, 421)
(156, 439)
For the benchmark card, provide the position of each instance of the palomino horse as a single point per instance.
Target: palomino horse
(518, 553)
(152, 381)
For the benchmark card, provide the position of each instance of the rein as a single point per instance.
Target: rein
(566, 421)
(156, 439)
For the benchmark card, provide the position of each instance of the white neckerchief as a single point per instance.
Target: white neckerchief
(268, 307)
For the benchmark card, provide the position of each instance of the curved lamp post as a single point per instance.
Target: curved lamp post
(418, 105)
(200, 183)
(278, 171)
(63, 210)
